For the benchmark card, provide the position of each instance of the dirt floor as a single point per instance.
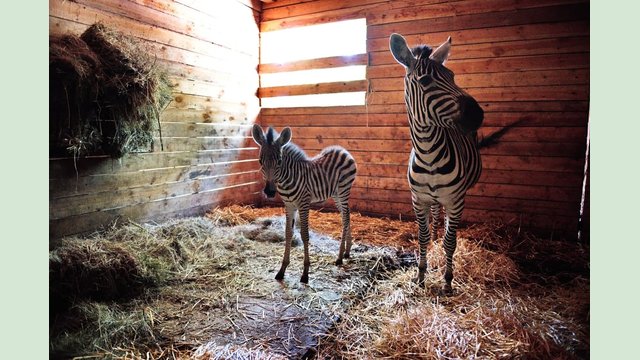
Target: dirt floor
(204, 288)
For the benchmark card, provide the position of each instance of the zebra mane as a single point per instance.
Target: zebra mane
(271, 135)
(422, 51)
(293, 151)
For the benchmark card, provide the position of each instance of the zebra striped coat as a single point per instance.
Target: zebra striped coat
(445, 160)
(301, 181)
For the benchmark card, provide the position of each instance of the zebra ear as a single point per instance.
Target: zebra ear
(441, 54)
(258, 135)
(285, 137)
(400, 50)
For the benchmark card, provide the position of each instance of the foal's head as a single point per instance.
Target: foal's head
(271, 144)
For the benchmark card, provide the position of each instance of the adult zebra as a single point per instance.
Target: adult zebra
(445, 159)
(301, 181)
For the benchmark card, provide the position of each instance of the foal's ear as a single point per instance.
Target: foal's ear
(441, 54)
(400, 50)
(285, 137)
(258, 135)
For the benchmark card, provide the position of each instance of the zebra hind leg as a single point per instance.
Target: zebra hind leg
(345, 241)
(422, 217)
(288, 236)
(452, 220)
(304, 234)
(435, 221)
(346, 230)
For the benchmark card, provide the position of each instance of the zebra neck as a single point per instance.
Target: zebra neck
(293, 159)
(434, 146)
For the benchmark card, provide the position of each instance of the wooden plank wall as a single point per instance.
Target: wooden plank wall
(211, 52)
(523, 60)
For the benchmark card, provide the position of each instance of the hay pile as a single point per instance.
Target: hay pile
(106, 94)
(203, 288)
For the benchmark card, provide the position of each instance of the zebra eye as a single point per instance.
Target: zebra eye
(425, 80)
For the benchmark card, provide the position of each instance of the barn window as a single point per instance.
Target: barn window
(317, 65)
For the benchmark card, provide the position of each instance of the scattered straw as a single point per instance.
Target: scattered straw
(209, 293)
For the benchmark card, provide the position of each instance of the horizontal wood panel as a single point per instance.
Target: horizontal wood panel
(151, 29)
(580, 108)
(473, 201)
(91, 184)
(321, 88)
(98, 201)
(374, 139)
(218, 143)
(291, 9)
(561, 13)
(209, 105)
(139, 20)
(495, 65)
(551, 165)
(503, 79)
(548, 224)
(500, 162)
(559, 194)
(188, 205)
(526, 47)
(490, 35)
(439, 9)
(200, 129)
(489, 176)
(68, 168)
(492, 119)
(385, 12)
(521, 93)
(321, 63)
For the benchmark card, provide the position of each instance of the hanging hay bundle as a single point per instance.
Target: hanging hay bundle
(74, 74)
(107, 93)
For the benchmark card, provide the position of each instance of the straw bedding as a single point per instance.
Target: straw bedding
(203, 288)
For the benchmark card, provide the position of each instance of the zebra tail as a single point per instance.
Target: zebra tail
(492, 139)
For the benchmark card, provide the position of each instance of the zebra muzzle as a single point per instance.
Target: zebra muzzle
(270, 190)
(471, 114)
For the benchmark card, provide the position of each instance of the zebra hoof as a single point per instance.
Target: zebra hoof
(346, 255)
(304, 279)
(280, 276)
(447, 290)
(338, 262)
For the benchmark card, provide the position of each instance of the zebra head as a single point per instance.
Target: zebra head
(271, 144)
(431, 95)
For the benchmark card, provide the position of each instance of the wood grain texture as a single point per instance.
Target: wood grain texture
(524, 61)
(210, 50)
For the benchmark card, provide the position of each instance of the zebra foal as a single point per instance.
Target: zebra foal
(301, 181)
(445, 158)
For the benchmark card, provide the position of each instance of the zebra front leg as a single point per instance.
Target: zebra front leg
(451, 222)
(304, 234)
(422, 217)
(288, 235)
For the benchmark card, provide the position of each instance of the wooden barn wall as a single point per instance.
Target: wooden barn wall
(211, 50)
(522, 60)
